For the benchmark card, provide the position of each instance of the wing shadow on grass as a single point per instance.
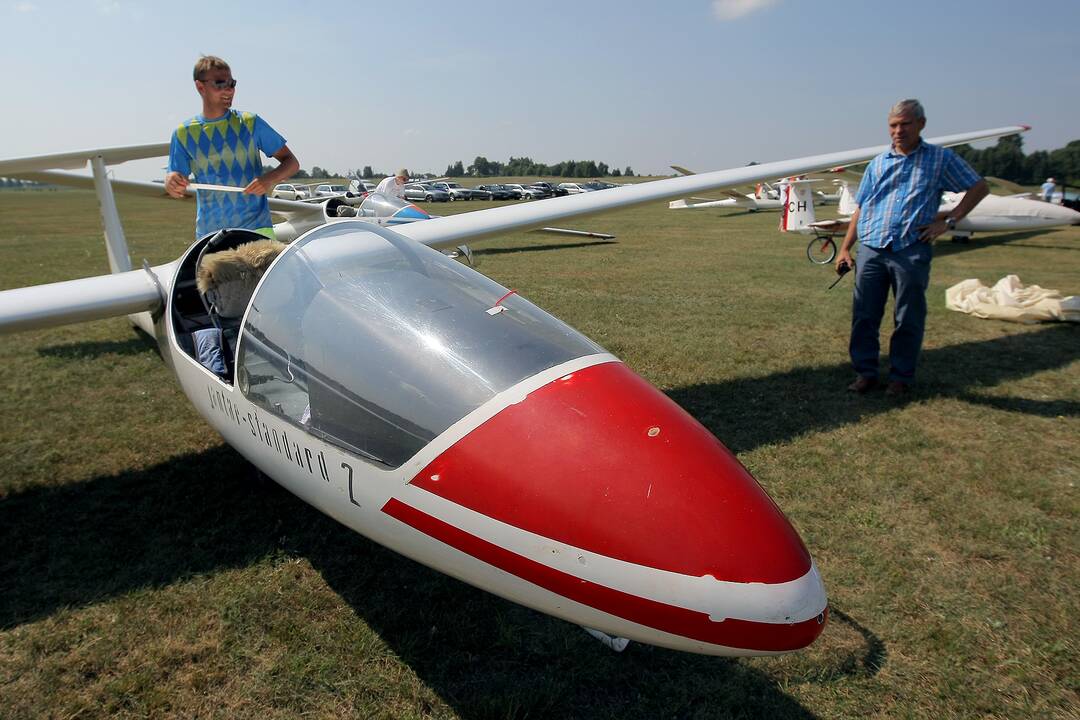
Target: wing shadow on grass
(200, 514)
(746, 413)
(136, 345)
(981, 240)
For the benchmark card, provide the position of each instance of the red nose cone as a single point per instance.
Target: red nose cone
(603, 461)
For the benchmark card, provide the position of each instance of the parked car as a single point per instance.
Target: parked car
(521, 192)
(288, 191)
(330, 190)
(498, 192)
(425, 192)
(597, 185)
(574, 188)
(456, 192)
(549, 189)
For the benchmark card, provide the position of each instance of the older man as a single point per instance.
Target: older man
(896, 222)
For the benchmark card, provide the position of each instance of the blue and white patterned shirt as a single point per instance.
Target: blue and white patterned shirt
(901, 193)
(225, 151)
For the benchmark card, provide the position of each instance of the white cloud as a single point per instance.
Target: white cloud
(108, 7)
(25, 7)
(725, 10)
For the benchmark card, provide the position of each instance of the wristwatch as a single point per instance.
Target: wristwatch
(950, 222)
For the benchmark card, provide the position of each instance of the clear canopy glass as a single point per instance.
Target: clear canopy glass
(379, 344)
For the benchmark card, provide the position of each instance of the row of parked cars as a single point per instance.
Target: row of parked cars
(293, 191)
(443, 191)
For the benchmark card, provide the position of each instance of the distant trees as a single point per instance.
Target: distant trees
(482, 167)
(1007, 161)
(524, 166)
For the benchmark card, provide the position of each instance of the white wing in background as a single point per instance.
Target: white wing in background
(456, 229)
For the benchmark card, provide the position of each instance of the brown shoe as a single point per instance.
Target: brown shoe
(863, 384)
(896, 389)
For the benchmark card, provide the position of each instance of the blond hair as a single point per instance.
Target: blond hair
(206, 63)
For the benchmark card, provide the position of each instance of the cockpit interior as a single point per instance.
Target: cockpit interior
(372, 341)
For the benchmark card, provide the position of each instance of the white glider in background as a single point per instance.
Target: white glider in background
(764, 197)
(448, 418)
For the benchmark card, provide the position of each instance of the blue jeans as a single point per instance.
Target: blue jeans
(208, 350)
(907, 273)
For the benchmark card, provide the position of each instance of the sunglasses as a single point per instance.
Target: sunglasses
(220, 84)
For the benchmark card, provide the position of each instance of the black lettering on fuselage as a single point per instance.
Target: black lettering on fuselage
(352, 498)
(278, 441)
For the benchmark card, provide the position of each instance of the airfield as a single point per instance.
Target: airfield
(149, 571)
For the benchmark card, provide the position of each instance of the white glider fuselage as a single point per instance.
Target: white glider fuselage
(603, 525)
(996, 213)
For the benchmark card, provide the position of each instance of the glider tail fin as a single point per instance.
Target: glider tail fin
(797, 212)
(846, 205)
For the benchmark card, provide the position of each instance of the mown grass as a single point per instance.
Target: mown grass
(148, 572)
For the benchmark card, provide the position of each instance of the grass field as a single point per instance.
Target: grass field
(147, 571)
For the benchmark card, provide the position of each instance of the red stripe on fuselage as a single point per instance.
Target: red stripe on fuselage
(742, 634)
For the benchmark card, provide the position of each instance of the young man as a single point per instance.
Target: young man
(221, 146)
(896, 221)
(394, 186)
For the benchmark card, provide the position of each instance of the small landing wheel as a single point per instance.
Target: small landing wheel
(821, 250)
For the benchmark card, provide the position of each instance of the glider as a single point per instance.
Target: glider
(425, 406)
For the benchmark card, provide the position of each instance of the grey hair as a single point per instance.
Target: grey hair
(911, 107)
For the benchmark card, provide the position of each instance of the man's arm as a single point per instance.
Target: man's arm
(265, 183)
(843, 257)
(972, 197)
(176, 179)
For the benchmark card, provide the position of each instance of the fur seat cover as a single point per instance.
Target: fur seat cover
(228, 278)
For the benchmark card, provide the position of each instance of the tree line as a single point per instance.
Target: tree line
(482, 167)
(1007, 161)
(517, 167)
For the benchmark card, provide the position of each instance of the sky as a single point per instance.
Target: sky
(708, 84)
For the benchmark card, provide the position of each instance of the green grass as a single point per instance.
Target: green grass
(147, 571)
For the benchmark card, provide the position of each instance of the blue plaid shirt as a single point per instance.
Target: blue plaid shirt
(901, 193)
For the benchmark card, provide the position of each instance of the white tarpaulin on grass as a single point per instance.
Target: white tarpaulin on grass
(1010, 300)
